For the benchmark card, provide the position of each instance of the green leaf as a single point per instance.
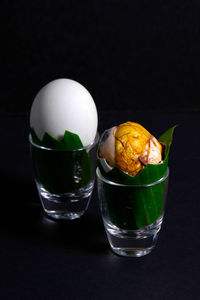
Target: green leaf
(72, 141)
(62, 171)
(134, 207)
(167, 136)
(53, 143)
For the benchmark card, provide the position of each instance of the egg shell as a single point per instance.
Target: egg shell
(64, 104)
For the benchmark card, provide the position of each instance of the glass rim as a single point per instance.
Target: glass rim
(88, 147)
(100, 176)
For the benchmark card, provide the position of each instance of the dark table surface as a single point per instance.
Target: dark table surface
(43, 259)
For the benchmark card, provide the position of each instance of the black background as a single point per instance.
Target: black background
(140, 61)
(138, 55)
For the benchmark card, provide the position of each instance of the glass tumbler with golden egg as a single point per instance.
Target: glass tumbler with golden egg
(132, 178)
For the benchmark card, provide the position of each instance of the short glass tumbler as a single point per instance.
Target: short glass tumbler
(64, 179)
(132, 214)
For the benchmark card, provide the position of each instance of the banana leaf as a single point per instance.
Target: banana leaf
(134, 206)
(50, 142)
(61, 169)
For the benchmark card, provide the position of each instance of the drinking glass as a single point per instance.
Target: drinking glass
(64, 179)
(132, 214)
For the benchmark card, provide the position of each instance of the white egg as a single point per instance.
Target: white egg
(64, 104)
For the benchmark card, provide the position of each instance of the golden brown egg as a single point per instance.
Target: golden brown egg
(130, 147)
(135, 147)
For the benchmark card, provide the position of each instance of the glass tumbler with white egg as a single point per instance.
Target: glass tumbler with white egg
(63, 140)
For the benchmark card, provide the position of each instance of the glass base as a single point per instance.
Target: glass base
(66, 206)
(63, 215)
(133, 243)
